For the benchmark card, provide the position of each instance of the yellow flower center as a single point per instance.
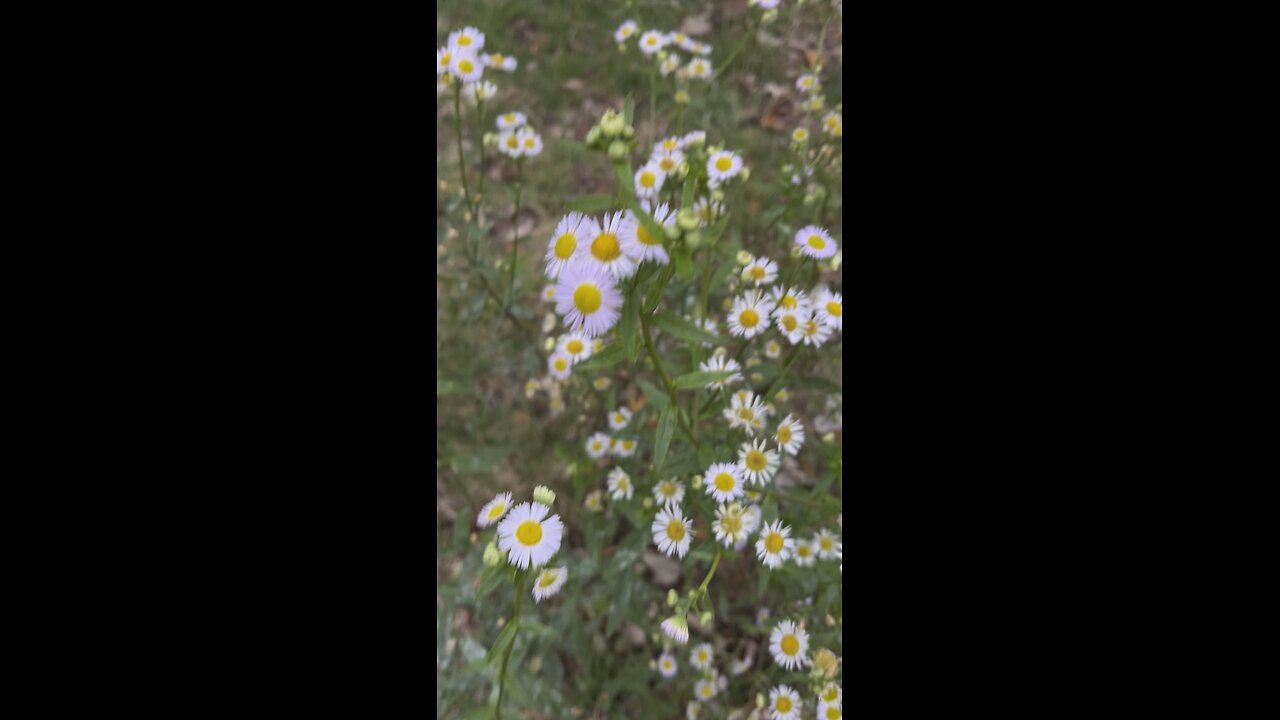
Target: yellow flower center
(512, 142)
(628, 444)
(706, 691)
(465, 40)
(699, 68)
(829, 695)
(651, 40)
(666, 164)
(811, 328)
(647, 179)
(788, 301)
(800, 135)
(497, 511)
(723, 164)
(587, 298)
(757, 272)
(529, 532)
(547, 580)
(445, 58)
(465, 66)
(790, 645)
(669, 144)
(675, 530)
(643, 236)
(605, 247)
(746, 414)
(773, 544)
(803, 550)
(496, 59)
(724, 482)
(667, 488)
(834, 309)
(833, 713)
(784, 704)
(784, 434)
(731, 524)
(789, 322)
(561, 364)
(816, 242)
(574, 346)
(595, 445)
(509, 118)
(748, 318)
(624, 484)
(832, 122)
(565, 245)
(807, 82)
(529, 142)
(755, 460)
(827, 544)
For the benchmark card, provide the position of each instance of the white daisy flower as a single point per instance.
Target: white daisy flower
(828, 545)
(667, 665)
(670, 64)
(830, 310)
(772, 350)
(768, 4)
(791, 323)
(784, 703)
(672, 531)
(624, 31)
(466, 67)
(799, 135)
(493, 510)
(498, 61)
(444, 57)
(746, 411)
(808, 82)
(549, 583)
(509, 144)
(529, 536)
(723, 165)
(530, 142)
(604, 250)
(791, 299)
(699, 68)
(723, 482)
(814, 333)
(593, 502)
(511, 120)
(805, 555)
(625, 448)
(576, 345)
(620, 487)
(757, 464)
(693, 137)
(477, 92)
(559, 365)
(598, 445)
(587, 298)
(775, 544)
(740, 666)
(549, 293)
(467, 39)
(668, 161)
(667, 145)
(815, 242)
(831, 121)
(708, 210)
(730, 525)
(760, 271)
(619, 418)
(749, 315)
(790, 435)
(676, 628)
(652, 41)
(829, 712)
(788, 644)
(564, 243)
(700, 656)
(830, 695)
(649, 179)
(636, 240)
(704, 690)
(668, 491)
(720, 363)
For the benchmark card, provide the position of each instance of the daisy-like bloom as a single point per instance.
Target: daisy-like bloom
(467, 39)
(808, 82)
(667, 145)
(668, 491)
(625, 448)
(636, 240)
(831, 121)
(730, 525)
(788, 644)
(620, 487)
(625, 30)
(757, 463)
(790, 435)
(723, 482)
(478, 92)
(829, 545)
(830, 310)
(466, 67)
(667, 665)
(672, 531)
(603, 250)
(704, 690)
(493, 510)
(772, 350)
(791, 299)
(559, 365)
(831, 694)
(700, 656)
(530, 142)
(676, 628)
(761, 271)
(775, 545)
(784, 703)
(652, 41)
(740, 666)
(749, 315)
(799, 135)
(719, 363)
(598, 445)
(511, 120)
(746, 411)
(600, 383)
(549, 583)
(814, 333)
(829, 712)
(592, 502)
(668, 161)
(498, 61)
(619, 418)
(805, 555)
(587, 298)
(815, 242)
(509, 144)
(444, 56)
(649, 179)
(699, 68)
(576, 345)
(529, 536)
(723, 165)
(670, 64)
(564, 243)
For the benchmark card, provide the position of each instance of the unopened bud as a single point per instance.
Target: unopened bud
(544, 495)
(682, 97)
(647, 502)
(549, 344)
(672, 231)
(491, 555)
(628, 132)
(705, 618)
(717, 195)
(612, 124)
(746, 173)
(490, 139)
(593, 135)
(829, 438)
(694, 239)
(687, 219)
(759, 700)
(744, 257)
(617, 150)
(672, 597)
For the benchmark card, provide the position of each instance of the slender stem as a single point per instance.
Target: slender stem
(480, 190)
(790, 284)
(457, 124)
(515, 244)
(666, 380)
(653, 105)
(822, 39)
(502, 676)
(795, 353)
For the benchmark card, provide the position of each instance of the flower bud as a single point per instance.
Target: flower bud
(705, 618)
(745, 173)
(628, 132)
(548, 322)
(829, 438)
(717, 195)
(683, 170)
(795, 251)
(682, 97)
(672, 232)
(694, 239)
(769, 16)
(647, 502)
(744, 257)
(544, 495)
(697, 482)
(491, 555)
(835, 260)
(808, 199)
(612, 124)
(687, 219)
(490, 139)
(759, 700)
(593, 135)
(617, 150)
(549, 344)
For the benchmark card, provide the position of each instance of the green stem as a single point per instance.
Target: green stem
(502, 676)
(795, 353)
(822, 39)
(666, 381)
(790, 285)
(707, 580)
(515, 244)
(457, 124)
(480, 189)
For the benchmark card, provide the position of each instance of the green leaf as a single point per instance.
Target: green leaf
(666, 426)
(686, 196)
(684, 329)
(626, 180)
(505, 638)
(627, 325)
(590, 204)
(813, 383)
(655, 396)
(629, 109)
(714, 233)
(700, 378)
(655, 292)
(611, 355)
(492, 578)
(448, 387)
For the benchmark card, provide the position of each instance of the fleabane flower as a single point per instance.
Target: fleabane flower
(667, 160)
(829, 310)
(560, 365)
(592, 501)
(814, 333)
(576, 345)
(529, 536)
(598, 445)
(746, 411)
(498, 61)
(831, 122)
(730, 525)
(670, 64)
(772, 350)
(668, 491)
(749, 315)
(804, 554)
(649, 179)
(815, 242)
(758, 464)
(511, 120)
(667, 665)
(760, 271)
(477, 92)
(676, 628)
(652, 41)
(808, 82)
(723, 165)
(638, 243)
(775, 545)
(667, 145)
(468, 39)
(790, 322)
(700, 656)
(791, 299)
(604, 248)
(620, 487)
(704, 690)
(588, 299)
(624, 448)
(699, 68)
(721, 363)
(564, 243)
(624, 31)
(444, 57)
(530, 142)
(723, 482)
(619, 418)
(509, 144)
(828, 545)
(784, 703)
(790, 435)
(827, 711)
(672, 531)
(549, 583)
(831, 694)
(466, 67)
(708, 210)
(788, 644)
(493, 510)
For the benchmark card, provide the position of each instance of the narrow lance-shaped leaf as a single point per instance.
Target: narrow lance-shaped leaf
(684, 329)
(666, 426)
(700, 378)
